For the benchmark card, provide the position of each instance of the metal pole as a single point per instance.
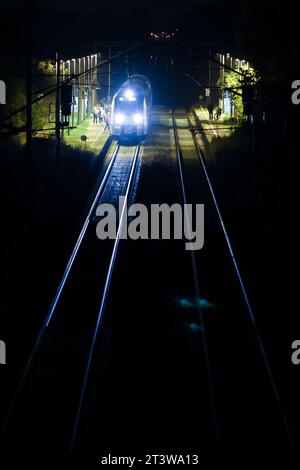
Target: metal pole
(79, 117)
(109, 74)
(127, 69)
(73, 103)
(29, 43)
(57, 110)
(83, 90)
(209, 71)
(209, 100)
(88, 88)
(223, 80)
(29, 104)
(73, 92)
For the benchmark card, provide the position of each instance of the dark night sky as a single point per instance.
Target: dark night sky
(164, 9)
(153, 5)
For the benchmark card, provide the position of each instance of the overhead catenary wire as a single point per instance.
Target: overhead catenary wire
(212, 59)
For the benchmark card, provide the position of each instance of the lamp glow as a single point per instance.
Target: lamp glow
(129, 95)
(138, 118)
(119, 118)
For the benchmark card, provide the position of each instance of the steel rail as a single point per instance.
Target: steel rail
(240, 281)
(196, 286)
(58, 293)
(103, 300)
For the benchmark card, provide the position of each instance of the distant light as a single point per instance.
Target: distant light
(129, 95)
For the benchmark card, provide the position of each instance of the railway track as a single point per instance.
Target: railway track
(212, 416)
(81, 392)
(180, 162)
(264, 400)
(58, 368)
(247, 322)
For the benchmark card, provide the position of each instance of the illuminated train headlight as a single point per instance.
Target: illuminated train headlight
(119, 118)
(138, 118)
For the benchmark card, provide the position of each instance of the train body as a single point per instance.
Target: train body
(130, 110)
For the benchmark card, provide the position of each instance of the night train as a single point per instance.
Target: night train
(130, 110)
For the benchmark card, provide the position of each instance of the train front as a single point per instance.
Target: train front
(129, 114)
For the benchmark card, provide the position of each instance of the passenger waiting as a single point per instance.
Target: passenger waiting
(95, 115)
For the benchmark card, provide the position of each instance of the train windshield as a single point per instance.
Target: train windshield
(128, 106)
